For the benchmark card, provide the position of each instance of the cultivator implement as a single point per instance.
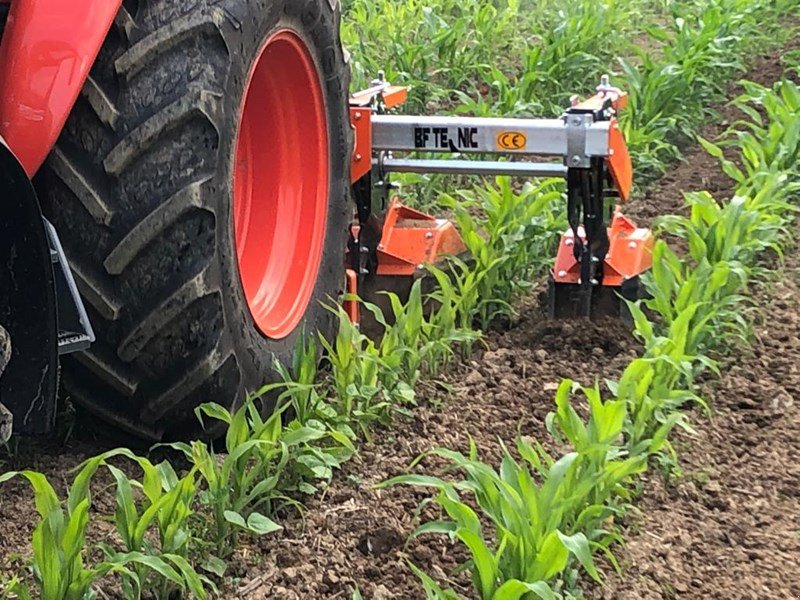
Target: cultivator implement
(599, 258)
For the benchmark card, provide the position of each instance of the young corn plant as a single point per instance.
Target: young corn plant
(672, 92)
(311, 406)
(166, 510)
(243, 484)
(710, 295)
(59, 567)
(656, 386)
(543, 514)
(356, 373)
(770, 142)
(508, 242)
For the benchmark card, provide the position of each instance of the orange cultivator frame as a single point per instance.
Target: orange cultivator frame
(602, 250)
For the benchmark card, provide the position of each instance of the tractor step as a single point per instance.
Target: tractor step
(74, 329)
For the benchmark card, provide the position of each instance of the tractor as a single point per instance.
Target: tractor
(188, 183)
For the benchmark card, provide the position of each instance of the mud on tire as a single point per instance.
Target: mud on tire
(140, 190)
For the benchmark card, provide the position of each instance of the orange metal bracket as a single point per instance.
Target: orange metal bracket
(361, 111)
(630, 254)
(361, 161)
(412, 238)
(619, 161)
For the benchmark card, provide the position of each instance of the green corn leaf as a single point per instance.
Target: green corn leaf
(515, 590)
(485, 568)
(261, 525)
(432, 589)
(188, 575)
(578, 545)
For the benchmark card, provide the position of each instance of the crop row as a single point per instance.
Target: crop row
(175, 529)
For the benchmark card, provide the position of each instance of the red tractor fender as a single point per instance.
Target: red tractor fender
(46, 53)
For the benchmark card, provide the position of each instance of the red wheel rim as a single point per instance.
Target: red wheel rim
(280, 184)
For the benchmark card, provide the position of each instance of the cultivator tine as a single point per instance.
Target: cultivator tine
(569, 301)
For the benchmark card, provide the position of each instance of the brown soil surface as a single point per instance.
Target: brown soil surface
(353, 535)
(730, 527)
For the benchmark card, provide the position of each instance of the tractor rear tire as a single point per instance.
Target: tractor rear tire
(141, 189)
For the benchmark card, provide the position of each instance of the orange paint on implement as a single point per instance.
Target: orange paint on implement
(630, 254)
(361, 161)
(412, 238)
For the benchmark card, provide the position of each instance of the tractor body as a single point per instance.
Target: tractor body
(46, 51)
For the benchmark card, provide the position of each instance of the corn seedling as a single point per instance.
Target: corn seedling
(58, 565)
(311, 406)
(356, 368)
(166, 510)
(245, 481)
(508, 242)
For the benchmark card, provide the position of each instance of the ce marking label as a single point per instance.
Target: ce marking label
(512, 140)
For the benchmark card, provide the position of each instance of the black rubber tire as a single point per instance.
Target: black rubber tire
(139, 188)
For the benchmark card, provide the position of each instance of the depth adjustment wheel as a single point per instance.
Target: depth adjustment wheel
(201, 189)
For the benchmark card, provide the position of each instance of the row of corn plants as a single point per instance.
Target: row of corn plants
(511, 231)
(175, 533)
(526, 58)
(541, 517)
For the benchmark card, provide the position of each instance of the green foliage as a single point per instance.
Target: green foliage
(59, 543)
(166, 508)
(673, 92)
(511, 235)
(245, 480)
(544, 514)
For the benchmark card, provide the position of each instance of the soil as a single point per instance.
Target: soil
(729, 528)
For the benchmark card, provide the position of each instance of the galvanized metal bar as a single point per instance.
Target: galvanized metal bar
(471, 167)
(484, 135)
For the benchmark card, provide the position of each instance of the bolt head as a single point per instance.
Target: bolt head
(357, 116)
(381, 246)
(569, 242)
(358, 157)
(576, 160)
(576, 121)
(632, 245)
(562, 273)
(428, 235)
